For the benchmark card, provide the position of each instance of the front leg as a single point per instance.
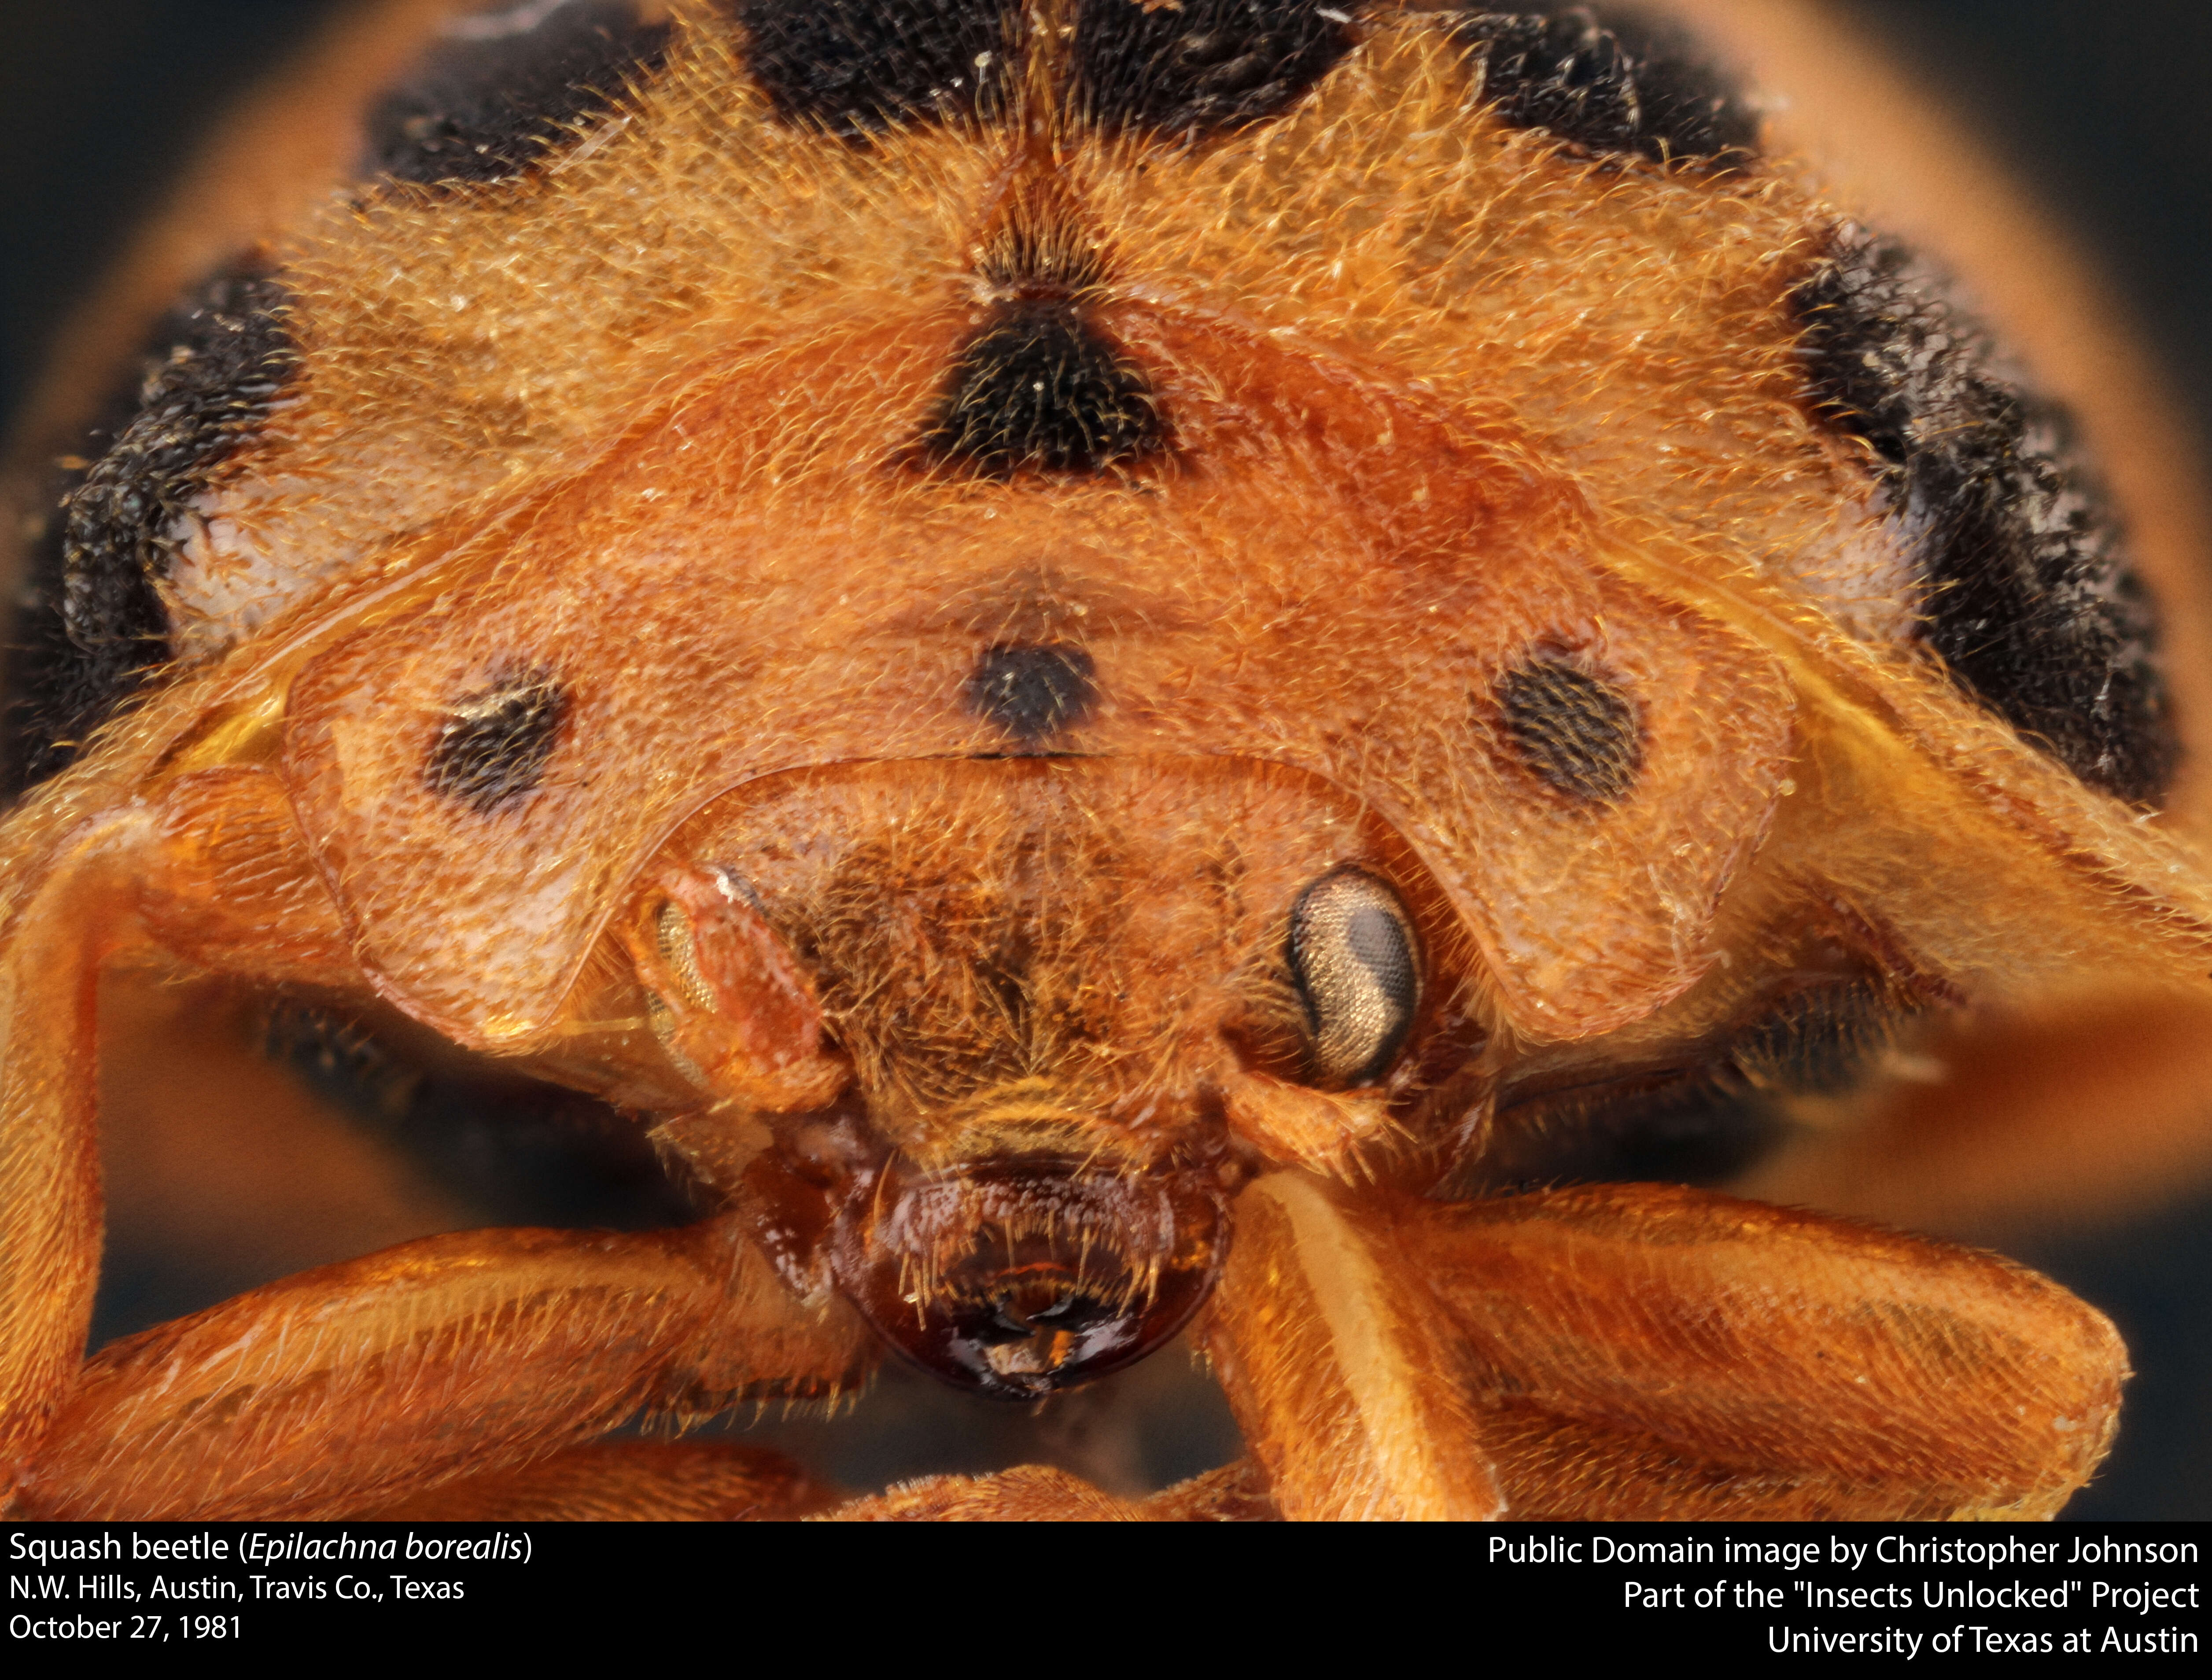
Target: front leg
(358, 1384)
(210, 870)
(1338, 1367)
(66, 906)
(1647, 1352)
(1641, 1351)
(1038, 1493)
(626, 1481)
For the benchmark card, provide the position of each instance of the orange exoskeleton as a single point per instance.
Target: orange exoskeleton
(1272, 673)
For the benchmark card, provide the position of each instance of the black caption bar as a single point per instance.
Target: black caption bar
(176, 1585)
(1909, 1592)
(1920, 1593)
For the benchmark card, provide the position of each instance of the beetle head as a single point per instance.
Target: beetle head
(986, 1046)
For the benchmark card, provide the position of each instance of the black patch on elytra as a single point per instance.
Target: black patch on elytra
(1612, 86)
(511, 1150)
(1206, 66)
(856, 67)
(495, 744)
(2026, 591)
(1578, 732)
(1039, 389)
(489, 102)
(1032, 690)
(90, 626)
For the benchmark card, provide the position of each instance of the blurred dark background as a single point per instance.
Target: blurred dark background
(2103, 106)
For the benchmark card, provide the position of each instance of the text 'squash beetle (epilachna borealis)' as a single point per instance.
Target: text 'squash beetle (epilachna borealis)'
(1263, 673)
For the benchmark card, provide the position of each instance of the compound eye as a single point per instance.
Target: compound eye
(1355, 963)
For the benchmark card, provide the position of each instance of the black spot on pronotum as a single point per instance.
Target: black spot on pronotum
(1578, 732)
(493, 747)
(2026, 590)
(91, 626)
(855, 67)
(504, 86)
(1204, 66)
(1032, 691)
(1039, 389)
(1611, 86)
(1351, 958)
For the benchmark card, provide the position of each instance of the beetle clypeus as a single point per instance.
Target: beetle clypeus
(1119, 667)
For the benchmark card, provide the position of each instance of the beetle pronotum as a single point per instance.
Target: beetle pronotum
(1336, 703)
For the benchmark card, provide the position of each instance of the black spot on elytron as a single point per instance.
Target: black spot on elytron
(1039, 389)
(506, 87)
(2027, 593)
(90, 626)
(856, 67)
(1206, 66)
(1578, 732)
(1612, 87)
(493, 748)
(1032, 691)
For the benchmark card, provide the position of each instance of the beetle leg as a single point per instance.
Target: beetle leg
(233, 889)
(70, 910)
(1992, 1132)
(352, 1386)
(627, 1481)
(1334, 1362)
(1235, 1493)
(1641, 1352)
(1040, 1493)
(1028, 1493)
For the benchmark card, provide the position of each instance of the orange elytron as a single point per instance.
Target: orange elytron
(1127, 668)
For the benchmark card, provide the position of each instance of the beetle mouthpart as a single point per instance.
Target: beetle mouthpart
(728, 1001)
(1025, 1274)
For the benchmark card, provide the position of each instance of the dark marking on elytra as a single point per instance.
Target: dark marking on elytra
(504, 88)
(91, 628)
(493, 747)
(854, 68)
(1611, 86)
(1038, 388)
(1578, 732)
(1032, 690)
(1203, 67)
(2026, 591)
